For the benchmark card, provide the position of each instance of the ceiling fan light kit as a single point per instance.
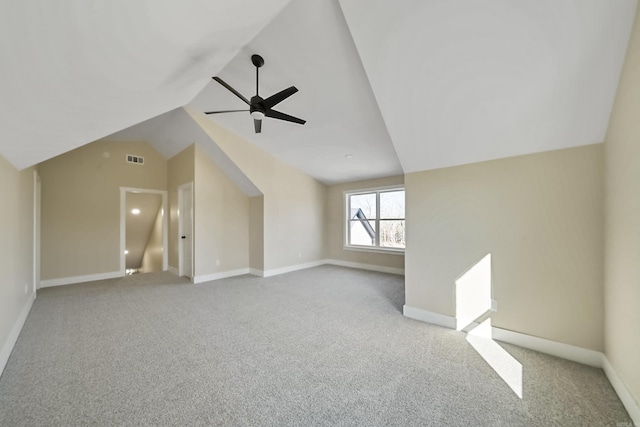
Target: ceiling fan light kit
(260, 108)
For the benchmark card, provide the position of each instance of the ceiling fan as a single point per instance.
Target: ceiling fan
(260, 108)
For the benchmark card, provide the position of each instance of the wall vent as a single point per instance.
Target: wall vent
(139, 160)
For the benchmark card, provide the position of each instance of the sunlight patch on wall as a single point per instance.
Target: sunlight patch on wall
(473, 293)
(473, 311)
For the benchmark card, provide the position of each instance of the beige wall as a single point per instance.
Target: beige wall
(622, 250)
(181, 170)
(336, 225)
(540, 217)
(152, 256)
(16, 262)
(294, 203)
(221, 219)
(81, 205)
(256, 233)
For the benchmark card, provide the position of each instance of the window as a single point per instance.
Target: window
(375, 219)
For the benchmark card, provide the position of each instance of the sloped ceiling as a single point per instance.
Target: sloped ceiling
(309, 46)
(76, 71)
(466, 81)
(401, 86)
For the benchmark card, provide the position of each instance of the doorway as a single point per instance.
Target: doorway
(143, 230)
(185, 230)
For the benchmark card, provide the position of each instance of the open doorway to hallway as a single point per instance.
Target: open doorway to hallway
(143, 230)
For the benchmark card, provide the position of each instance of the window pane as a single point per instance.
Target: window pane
(392, 233)
(392, 204)
(363, 205)
(362, 233)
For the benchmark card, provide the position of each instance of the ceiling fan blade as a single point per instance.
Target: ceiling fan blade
(257, 125)
(282, 116)
(279, 97)
(224, 111)
(232, 90)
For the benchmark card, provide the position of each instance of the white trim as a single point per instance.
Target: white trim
(256, 272)
(630, 404)
(80, 279)
(172, 270)
(347, 218)
(554, 348)
(123, 227)
(372, 189)
(374, 249)
(123, 224)
(371, 267)
(37, 203)
(221, 275)
(290, 268)
(542, 345)
(429, 317)
(186, 186)
(8, 345)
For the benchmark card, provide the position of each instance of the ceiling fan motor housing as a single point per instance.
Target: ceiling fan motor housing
(256, 108)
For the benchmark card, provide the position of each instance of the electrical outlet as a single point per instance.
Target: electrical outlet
(299, 255)
(26, 288)
(217, 263)
(494, 305)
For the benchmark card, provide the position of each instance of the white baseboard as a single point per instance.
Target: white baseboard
(429, 317)
(220, 275)
(8, 345)
(371, 267)
(296, 267)
(542, 345)
(172, 270)
(630, 404)
(554, 348)
(290, 268)
(256, 272)
(80, 279)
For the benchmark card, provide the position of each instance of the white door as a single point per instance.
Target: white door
(185, 203)
(36, 231)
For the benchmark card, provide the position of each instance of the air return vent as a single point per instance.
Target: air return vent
(139, 160)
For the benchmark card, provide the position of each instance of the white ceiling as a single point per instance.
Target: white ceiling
(440, 83)
(466, 81)
(76, 71)
(309, 46)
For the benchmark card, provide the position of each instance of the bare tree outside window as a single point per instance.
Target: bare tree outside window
(392, 219)
(376, 219)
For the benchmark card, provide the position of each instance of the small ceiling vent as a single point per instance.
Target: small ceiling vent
(139, 160)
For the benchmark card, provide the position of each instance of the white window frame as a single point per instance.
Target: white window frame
(347, 220)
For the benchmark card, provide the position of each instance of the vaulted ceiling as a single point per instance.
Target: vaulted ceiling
(399, 86)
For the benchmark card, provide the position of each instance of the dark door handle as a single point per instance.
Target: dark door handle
(184, 237)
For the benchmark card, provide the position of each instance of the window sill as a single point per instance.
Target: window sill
(388, 251)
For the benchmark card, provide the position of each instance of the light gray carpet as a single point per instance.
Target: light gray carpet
(323, 346)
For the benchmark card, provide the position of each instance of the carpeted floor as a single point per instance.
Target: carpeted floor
(323, 346)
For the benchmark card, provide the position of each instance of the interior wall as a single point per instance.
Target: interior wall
(81, 205)
(622, 224)
(221, 220)
(152, 256)
(336, 225)
(16, 262)
(256, 233)
(180, 170)
(540, 216)
(294, 202)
